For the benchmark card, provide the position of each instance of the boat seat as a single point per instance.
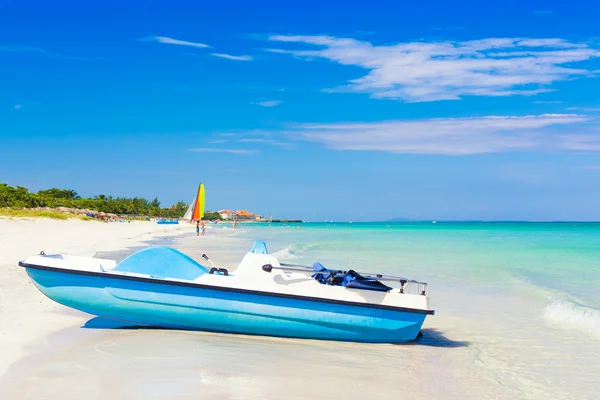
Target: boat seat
(162, 262)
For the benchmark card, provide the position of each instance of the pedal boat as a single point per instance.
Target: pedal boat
(160, 286)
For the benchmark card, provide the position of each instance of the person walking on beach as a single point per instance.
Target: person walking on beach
(203, 227)
(234, 223)
(198, 228)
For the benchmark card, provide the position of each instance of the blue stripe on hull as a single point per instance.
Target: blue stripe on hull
(225, 311)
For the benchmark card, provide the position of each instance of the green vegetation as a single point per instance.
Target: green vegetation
(212, 215)
(9, 212)
(20, 198)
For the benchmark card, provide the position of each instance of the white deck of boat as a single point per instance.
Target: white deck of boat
(250, 276)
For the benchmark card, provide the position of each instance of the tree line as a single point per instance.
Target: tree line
(20, 197)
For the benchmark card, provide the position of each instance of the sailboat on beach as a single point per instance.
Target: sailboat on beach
(195, 211)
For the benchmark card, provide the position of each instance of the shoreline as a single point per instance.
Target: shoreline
(493, 335)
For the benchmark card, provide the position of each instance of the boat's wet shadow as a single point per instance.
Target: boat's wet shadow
(434, 338)
(105, 323)
(427, 337)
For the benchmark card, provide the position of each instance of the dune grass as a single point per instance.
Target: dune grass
(25, 213)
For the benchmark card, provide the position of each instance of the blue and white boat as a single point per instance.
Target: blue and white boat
(167, 221)
(160, 286)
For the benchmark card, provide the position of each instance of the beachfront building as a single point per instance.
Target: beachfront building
(238, 214)
(226, 214)
(243, 214)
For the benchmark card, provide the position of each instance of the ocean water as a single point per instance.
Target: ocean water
(517, 317)
(524, 296)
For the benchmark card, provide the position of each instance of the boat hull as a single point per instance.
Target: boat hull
(173, 305)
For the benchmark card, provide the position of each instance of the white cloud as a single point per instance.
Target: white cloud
(216, 150)
(583, 109)
(235, 58)
(168, 40)
(548, 102)
(580, 141)
(447, 70)
(219, 141)
(457, 136)
(18, 106)
(269, 103)
(265, 141)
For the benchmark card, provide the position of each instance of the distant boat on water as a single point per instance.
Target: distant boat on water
(167, 221)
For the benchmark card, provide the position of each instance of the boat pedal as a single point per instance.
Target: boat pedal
(219, 271)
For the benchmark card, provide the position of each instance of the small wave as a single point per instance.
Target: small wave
(287, 253)
(296, 250)
(572, 315)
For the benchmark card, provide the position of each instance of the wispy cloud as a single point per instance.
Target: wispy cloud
(168, 40)
(583, 109)
(266, 141)
(235, 58)
(268, 103)
(38, 51)
(448, 70)
(457, 136)
(593, 167)
(220, 141)
(448, 28)
(217, 150)
(580, 141)
(18, 106)
(548, 102)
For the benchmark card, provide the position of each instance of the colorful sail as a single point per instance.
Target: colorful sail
(196, 209)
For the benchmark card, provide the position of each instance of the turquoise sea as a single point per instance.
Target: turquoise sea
(557, 259)
(523, 298)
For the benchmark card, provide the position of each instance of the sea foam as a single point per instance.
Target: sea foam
(571, 315)
(286, 253)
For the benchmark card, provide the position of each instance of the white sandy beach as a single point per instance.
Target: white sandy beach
(27, 316)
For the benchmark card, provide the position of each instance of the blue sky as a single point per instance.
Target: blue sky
(314, 110)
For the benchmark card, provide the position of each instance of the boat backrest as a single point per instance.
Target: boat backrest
(259, 247)
(162, 262)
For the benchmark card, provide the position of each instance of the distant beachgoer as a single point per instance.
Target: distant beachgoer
(203, 227)
(234, 224)
(197, 228)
